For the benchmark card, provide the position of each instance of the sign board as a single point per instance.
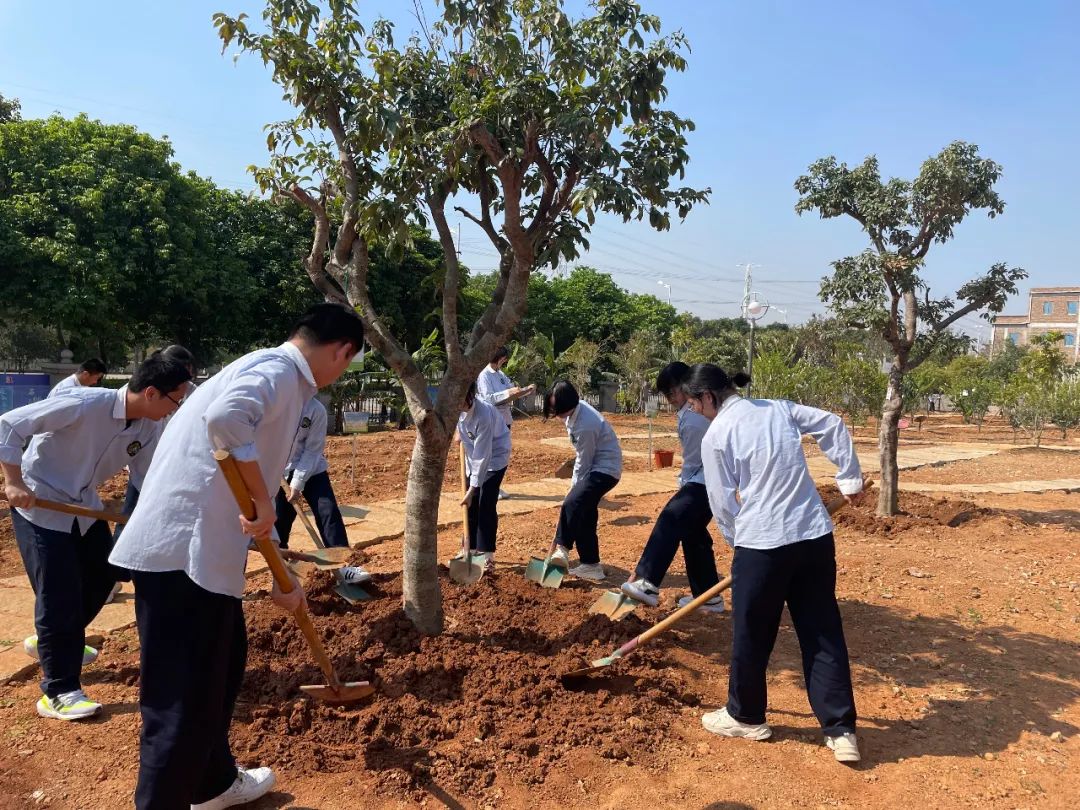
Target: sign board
(352, 422)
(17, 390)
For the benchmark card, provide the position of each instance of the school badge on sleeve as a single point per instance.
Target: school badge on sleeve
(305, 422)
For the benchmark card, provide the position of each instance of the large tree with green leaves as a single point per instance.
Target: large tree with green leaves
(527, 122)
(886, 287)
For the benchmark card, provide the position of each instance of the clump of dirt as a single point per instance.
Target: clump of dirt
(484, 697)
(916, 512)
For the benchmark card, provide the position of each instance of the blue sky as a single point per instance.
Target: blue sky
(772, 86)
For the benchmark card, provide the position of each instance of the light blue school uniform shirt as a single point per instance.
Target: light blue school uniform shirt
(691, 427)
(492, 386)
(595, 443)
(66, 384)
(486, 439)
(307, 457)
(187, 519)
(80, 441)
(753, 447)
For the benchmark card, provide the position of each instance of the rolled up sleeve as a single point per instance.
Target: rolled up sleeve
(231, 419)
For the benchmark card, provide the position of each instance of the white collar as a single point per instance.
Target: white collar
(119, 410)
(571, 420)
(297, 357)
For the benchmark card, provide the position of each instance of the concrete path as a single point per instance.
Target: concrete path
(385, 520)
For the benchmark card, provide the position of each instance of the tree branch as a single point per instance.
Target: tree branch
(314, 262)
(436, 201)
(347, 231)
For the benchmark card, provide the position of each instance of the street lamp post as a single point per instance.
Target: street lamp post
(668, 286)
(754, 309)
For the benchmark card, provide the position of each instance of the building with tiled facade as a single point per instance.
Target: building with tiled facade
(1050, 309)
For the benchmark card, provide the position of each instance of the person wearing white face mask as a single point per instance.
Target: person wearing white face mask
(768, 509)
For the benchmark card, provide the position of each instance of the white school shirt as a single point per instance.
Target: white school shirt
(595, 443)
(691, 427)
(754, 447)
(65, 384)
(486, 439)
(493, 387)
(187, 519)
(80, 441)
(306, 458)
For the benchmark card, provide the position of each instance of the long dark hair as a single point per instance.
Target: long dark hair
(562, 397)
(671, 377)
(709, 378)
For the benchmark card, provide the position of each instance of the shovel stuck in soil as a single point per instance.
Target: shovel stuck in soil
(351, 593)
(465, 570)
(334, 691)
(614, 605)
(544, 572)
(601, 663)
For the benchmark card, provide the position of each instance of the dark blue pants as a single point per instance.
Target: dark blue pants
(580, 514)
(131, 500)
(320, 497)
(483, 516)
(71, 577)
(194, 649)
(802, 574)
(685, 519)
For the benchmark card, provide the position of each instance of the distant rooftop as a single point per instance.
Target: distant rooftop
(1051, 290)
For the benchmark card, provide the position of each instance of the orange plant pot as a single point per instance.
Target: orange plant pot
(663, 458)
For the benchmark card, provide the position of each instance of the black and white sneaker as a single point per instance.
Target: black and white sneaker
(642, 590)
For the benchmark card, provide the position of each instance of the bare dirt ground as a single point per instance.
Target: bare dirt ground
(962, 616)
(1021, 464)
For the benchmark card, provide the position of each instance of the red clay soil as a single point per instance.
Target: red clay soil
(1018, 464)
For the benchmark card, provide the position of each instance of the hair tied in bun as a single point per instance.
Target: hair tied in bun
(740, 379)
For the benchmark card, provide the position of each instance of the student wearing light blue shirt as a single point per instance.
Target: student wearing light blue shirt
(597, 469)
(186, 547)
(486, 440)
(686, 517)
(767, 507)
(77, 441)
(88, 376)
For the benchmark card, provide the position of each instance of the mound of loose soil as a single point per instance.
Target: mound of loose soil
(917, 511)
(484, 697)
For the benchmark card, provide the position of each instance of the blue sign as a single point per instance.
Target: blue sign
(17, 390)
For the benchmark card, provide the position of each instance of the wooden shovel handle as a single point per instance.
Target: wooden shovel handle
(834, 506)
(464, 509)
(268, 548)
(78, 511)
(302, 514)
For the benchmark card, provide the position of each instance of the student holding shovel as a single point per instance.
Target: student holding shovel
(77, 442)
(784, 551)
(686, 517)
(187, 549)
(495, 388)
(307, 474)
(486, 440)
(597, 469)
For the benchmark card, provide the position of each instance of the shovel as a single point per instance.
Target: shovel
(351, 593)
(601, 663)
(614, 605)
(543, 571)
(78, 511)
(464, 570)
(334, 691)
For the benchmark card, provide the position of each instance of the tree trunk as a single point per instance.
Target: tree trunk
(421, 595)
(888, 441)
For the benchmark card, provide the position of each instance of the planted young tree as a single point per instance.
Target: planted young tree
(1065, 405)
(1027, 398)
(886, 287)
(578, 362)
(525, 121)
(970, 388)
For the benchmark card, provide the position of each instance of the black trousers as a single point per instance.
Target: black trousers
(319, 494)
(194, 649)
(483, 516)
(71, 577)
(685, 519)
(580, 513)
(803, 575)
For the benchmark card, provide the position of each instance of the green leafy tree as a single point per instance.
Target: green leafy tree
(638, 362)
(9, 109)
(970, 388)
(23, 343)
(1065, 405)
(1027, 398)
(885, 287)
(579, 361)
(527, 122)
(928, 379)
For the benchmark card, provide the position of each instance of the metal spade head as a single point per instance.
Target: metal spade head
(544, 572)
(465, 570)
(345, 693)
(614, 605)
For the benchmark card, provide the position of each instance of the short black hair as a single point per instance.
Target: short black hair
(155, 371)
(179, 354)
(562, 398)
(92, 366)
(330, 323)
(500, 353)
(470, 395)
(710, 378)
(672, 376)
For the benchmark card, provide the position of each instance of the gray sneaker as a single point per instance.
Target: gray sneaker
(722, 723)
(593, 572)
(642, 590)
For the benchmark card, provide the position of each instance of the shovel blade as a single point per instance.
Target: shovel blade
(593, 667)
(614, 605)
(346, 693)
(465, 571)
(544, 573)
(351, 593)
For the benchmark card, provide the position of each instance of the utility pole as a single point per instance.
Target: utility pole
(750, 317)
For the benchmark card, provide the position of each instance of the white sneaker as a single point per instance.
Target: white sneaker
(714, 605)
(642, 590)
(68, 706)
(89, 654)
(593, 572)
(354, 575)
(560, 558)
(844, 747)
(488, 561)
(249, 785)
(113, 593)
(722, 723)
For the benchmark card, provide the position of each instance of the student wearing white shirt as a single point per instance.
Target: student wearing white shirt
(186, 547)
(486, 439)
(784, 550)
(597, 469)
(89, 375)
(77, 441)
(495, 388)
(686, 517)
(308, 474)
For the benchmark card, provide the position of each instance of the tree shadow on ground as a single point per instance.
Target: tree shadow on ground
(1068, 518)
